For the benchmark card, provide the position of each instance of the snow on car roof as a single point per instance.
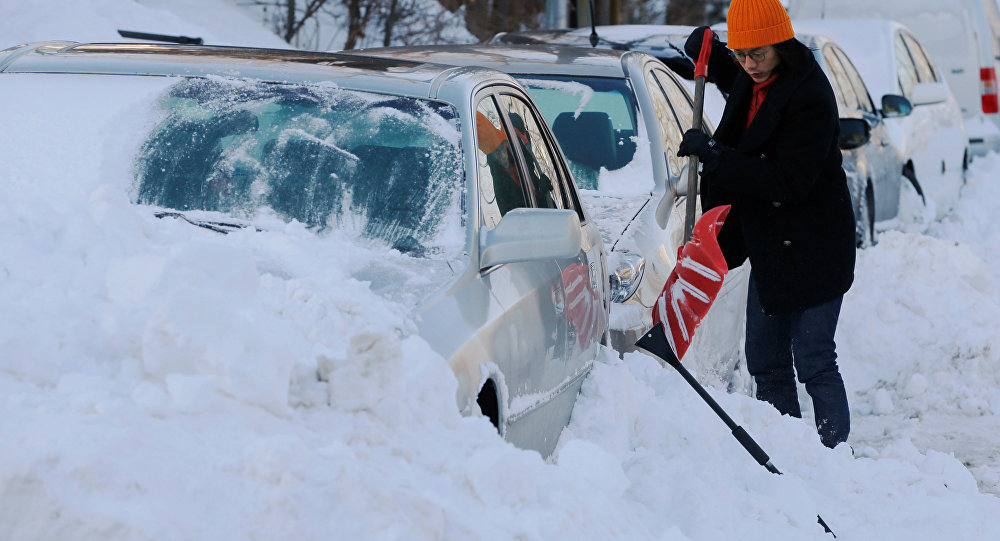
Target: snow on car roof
(531, 59)
(408, 77)
(867, 42)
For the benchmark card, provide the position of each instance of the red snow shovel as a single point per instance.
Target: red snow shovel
(686, 297)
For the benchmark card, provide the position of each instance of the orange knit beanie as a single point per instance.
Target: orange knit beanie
(756, 23)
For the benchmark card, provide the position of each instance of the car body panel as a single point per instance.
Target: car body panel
(649, 222)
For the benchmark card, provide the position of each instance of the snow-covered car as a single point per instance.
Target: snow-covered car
(924, 119)
(664, 41)
(962, 37)
(450, 175)
(871, 161)
(618, 117)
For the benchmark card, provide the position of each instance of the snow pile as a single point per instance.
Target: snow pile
(948, 354)
(920, 335)
(162, 381)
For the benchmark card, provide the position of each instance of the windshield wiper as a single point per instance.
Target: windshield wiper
(218, 227)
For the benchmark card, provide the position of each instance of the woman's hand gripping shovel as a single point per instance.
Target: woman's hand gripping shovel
(686, 297)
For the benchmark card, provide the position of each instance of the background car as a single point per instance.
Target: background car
(960, 37)
(872, 165)
(618, 117)
(927, 127)
(664, 41)
(453, 177)
(871, 161)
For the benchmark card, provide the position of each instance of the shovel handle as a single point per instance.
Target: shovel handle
(701, 66)
(700, 73)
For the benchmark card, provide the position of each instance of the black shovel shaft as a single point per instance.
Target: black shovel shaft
(692, 180)
(655, 342)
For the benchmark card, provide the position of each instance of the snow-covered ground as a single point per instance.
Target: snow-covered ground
(160, 381)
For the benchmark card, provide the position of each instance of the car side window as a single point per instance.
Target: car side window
(925, 71)
(841, 84)
(930, 61)
(905, 70)
(500, 183)
(672, 133)
(860, 89)
(678, 99)
(547, 186)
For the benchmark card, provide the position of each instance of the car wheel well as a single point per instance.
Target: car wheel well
(870, 200)
(965, 167)
(489, 403)
(864, 223)
(911, 176)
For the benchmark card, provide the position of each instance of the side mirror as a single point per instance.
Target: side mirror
(854, 132)
(530, 235)
(895, 106)
(929, 93)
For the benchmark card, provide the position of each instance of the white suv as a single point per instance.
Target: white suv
(958, 34)
(931, 137)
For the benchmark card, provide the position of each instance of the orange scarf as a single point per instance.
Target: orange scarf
(759, 93)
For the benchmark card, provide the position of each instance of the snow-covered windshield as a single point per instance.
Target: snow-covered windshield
(382, 168)
(594, 121)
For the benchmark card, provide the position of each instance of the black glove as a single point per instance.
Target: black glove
(693, 44)
(698, 143)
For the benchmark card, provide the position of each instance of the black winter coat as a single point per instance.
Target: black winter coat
(791, 209)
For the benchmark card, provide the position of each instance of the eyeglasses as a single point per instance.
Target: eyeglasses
(756, 56)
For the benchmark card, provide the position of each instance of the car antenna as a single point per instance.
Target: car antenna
(593, 25)
(160, 37)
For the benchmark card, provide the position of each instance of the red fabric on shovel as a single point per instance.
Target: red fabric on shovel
(694, 282)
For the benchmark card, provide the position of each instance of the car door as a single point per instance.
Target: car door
(553, 316)
(943, 149)
(856, 161)
(550, 187)
(716, 346)
(918, 126)
(885, 166)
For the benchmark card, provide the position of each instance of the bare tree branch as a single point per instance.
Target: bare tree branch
(311, 9)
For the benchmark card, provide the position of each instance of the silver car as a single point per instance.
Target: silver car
(619, 117)
(871, 161)
(452, 171)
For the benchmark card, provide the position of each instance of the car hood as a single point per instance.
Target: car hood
(406, 279)
(614, 214)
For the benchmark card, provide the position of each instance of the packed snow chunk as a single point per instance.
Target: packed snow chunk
(215, 326)
(397, 380)
(916, 386)
(131, 279)
(600, 468)
(882, 403)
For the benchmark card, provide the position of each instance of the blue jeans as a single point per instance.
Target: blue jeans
(804, 339)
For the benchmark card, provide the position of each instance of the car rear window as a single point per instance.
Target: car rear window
(593, 120)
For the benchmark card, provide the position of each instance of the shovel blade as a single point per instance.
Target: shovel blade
(694, 282)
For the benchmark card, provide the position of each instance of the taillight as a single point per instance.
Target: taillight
(988, 85)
